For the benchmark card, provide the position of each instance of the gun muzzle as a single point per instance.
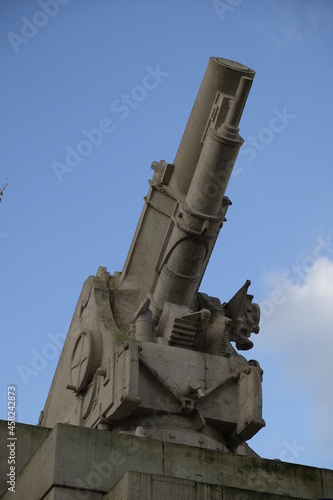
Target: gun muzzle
(218, 156)
(222, 78)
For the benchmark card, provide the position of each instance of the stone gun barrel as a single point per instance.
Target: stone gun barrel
(223, 76)
(217, 158)
(185, 206)
(198, 219)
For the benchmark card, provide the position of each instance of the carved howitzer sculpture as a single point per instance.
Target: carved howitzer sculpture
(146, 352)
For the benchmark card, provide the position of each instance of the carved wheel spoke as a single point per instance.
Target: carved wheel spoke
(81, 360)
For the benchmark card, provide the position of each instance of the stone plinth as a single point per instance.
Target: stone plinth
(28, 439)
(71, 462)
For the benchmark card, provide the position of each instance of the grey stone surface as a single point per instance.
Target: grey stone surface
(327, 482)
(140, 486)
(75, 462)
(28, 439)
(59, 493)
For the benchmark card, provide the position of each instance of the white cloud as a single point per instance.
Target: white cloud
(298, 331)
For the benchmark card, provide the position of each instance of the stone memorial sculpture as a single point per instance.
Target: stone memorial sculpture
(147, 352)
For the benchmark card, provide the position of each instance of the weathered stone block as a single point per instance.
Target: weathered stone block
(29, 439)
(79, 463)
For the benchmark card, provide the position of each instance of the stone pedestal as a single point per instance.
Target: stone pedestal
(70, 462)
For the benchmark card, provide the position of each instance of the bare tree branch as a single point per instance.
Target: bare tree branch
(4, 185)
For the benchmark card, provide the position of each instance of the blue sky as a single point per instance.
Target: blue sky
(65, 77)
